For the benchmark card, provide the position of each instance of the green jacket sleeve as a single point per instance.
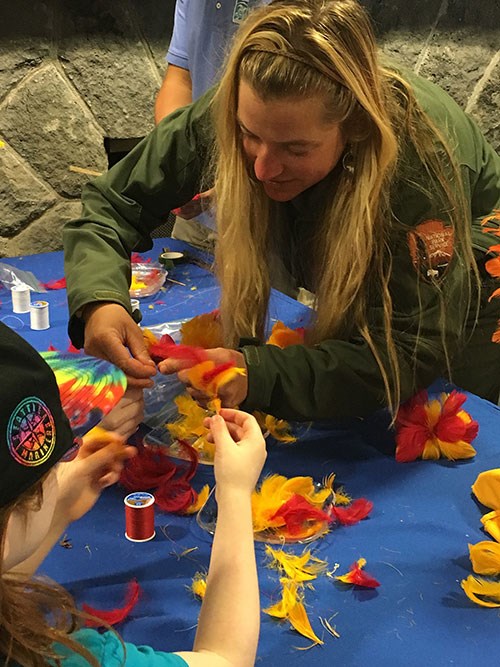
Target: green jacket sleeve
(341, 378)
(122, 207)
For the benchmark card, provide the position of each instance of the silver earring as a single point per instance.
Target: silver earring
(347, 162)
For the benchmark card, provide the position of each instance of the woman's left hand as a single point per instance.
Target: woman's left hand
(231, 394)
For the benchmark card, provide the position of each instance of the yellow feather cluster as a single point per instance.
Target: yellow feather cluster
(305, 567)
(190, 426)
(291, 607)
(485, 556)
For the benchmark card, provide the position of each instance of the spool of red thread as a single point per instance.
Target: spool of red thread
(139, 516)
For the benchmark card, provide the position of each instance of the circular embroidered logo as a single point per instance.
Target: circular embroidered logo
(31, 432)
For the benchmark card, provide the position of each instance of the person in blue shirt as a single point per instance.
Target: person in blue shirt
(200, 40)
(42, 492)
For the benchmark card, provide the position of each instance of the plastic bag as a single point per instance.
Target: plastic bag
(11, 276)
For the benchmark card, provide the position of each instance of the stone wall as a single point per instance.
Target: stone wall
(73, 74)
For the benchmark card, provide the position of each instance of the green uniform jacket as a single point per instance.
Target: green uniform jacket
(337, 378)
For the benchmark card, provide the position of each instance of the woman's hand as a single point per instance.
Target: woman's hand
(98, 464)
(199, 203)
(231, 394)
(240, 451)
(111, 333)
(125, 417)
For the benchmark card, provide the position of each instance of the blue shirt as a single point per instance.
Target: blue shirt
(108, 650)
(203, 30)
(202, 34)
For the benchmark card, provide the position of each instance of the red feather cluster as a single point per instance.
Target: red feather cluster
(434, 428)
(298, 511)
(170, 482)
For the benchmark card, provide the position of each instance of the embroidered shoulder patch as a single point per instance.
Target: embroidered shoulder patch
(431, 248)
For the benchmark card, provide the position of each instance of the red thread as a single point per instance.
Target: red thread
(139, 516)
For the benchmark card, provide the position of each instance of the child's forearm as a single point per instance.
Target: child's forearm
(230, 615)
(29, 566)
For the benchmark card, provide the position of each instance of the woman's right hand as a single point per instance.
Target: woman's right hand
(112, 334)
(240, 450)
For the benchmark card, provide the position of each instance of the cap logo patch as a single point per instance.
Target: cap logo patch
(31, 432)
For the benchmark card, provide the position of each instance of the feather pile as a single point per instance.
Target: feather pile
(295, 509)
(485, 555)
(153, 470)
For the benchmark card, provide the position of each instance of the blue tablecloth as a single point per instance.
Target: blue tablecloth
(415, 541)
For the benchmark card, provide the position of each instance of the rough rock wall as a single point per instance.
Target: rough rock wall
(74, 73)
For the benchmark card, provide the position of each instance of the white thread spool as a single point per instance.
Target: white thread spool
(20, 299)
(135, 304)
(39, 315)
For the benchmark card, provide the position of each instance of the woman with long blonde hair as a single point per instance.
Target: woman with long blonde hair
(358, 181)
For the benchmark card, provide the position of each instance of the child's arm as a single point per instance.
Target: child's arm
(79, 484)
(228, 627)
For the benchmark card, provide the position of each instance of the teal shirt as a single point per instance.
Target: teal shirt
(108, 650)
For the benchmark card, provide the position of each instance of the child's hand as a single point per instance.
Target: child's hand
(99, 464)
(240, 450)
(125, 417)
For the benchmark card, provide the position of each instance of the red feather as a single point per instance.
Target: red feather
(147, 470)
(359, 577)
(169, 350)
(210, 375)
(357, 510)
(55, 284)
(114, 616)
(297, 511)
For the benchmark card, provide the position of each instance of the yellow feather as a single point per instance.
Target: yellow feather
(476, 589)
(486, 488)
(300, 621)
(491, 523)
(456, 450)
(431, 450)
(149, 338)
(342, 498)
(289, 598)
(297, 568)
(201, 500)
(203, 331)
(199, 585)
(485, 557)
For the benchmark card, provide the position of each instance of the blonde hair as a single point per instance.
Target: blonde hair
(326, 49)
(34, 613)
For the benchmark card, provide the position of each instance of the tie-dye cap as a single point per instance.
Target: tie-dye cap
(47, 402)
